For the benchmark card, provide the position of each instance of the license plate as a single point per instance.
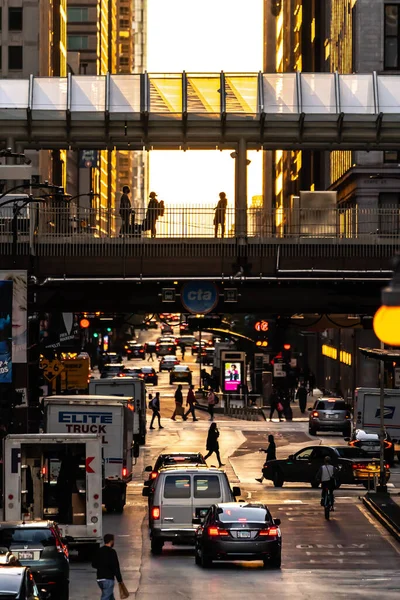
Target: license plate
(244, 534)
(25, 555)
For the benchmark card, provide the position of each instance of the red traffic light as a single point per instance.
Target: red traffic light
(84, 323)
(286, 346)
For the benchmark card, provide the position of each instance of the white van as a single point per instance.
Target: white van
(180, 495)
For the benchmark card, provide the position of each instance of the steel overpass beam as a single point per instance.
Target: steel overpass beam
(241, 163)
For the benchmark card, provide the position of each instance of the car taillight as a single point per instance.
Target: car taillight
(388, 444)
(315, 413)
(270, 532)
(155, 512)
(217, 532)
(387, 467)
(141, 351)
(353, 443)
(359, 466)
(153, 475)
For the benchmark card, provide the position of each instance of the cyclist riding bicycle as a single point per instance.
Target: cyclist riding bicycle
(326, 475)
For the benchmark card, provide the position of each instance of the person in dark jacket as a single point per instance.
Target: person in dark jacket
(191, 403)
(302, 397)
(274, 402)
(212, 444)
(153, 212)
(107, 566)
(125, 211)
(178, 404)
(220, 212)
(154, 404)
(270, 452)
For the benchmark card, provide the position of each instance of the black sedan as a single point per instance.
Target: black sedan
(238, 531)
(353, 464)
(112, 370)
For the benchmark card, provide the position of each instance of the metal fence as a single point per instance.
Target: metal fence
(53, 230)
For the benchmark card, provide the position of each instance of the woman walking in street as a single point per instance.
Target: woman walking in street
(212, 444)
(178, 404)
(270, 452)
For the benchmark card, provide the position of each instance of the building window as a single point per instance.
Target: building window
(15, 58)
(77, 42)
(391, 156)
(124, 10)
(78, 14)
(15, 18)
(124, 23)
(392, 35)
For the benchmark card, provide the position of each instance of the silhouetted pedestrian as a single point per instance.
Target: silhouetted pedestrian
(178, 404)
(275, 404)
(211, 401)
(212, 444)
(270, 452)
(125, 211)
(191, 402)
(302, 397)
(154, 405)
(220, 214)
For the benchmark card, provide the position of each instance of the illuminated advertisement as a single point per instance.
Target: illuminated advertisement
(19, 281)
(6, 298)
(233, 376)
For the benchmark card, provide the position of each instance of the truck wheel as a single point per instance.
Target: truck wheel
(156, 547)
(120, 503)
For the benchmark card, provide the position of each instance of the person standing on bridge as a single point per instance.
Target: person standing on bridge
(125, 211)
(154, 210)
(220, 214)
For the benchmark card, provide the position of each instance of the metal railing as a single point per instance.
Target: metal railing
(76, 230)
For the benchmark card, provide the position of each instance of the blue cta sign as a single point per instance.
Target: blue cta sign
(199, 297)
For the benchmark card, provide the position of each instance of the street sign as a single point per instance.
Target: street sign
(168, 295)
(76, 374)
(51, 368)
(199, 297)
(397, 377)
(230, 295)
(279, 370)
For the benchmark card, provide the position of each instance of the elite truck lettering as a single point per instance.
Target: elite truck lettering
(82, 422)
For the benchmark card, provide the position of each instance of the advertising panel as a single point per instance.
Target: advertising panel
(233, 375)
(19, 280)
(6, 298)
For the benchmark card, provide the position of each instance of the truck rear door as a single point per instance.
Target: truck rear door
(176, 502)
(207, 490)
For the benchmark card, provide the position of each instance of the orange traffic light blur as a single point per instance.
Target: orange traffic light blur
(84, 323)
(286, 346)
(261, 326)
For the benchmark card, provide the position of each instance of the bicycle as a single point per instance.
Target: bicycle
(328, 501)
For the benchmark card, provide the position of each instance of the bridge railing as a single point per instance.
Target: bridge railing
(53, 229)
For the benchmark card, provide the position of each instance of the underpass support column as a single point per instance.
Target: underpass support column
(241, 190)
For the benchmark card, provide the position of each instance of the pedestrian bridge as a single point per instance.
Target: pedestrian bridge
(199, 110)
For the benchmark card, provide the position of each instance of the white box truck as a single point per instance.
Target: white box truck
(111, 419)
(367, 412)
(126, 387)
(56, 477)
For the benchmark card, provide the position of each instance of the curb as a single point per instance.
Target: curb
(382, 517)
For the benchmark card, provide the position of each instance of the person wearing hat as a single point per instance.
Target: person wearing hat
(220, 211)
(125, 210)
(153, 212)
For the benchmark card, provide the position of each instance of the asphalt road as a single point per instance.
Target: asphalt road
(349, 556)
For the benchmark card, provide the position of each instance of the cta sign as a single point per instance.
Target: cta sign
(199, 297)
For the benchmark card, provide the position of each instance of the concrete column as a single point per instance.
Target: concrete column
(241, 190)
(367, 368)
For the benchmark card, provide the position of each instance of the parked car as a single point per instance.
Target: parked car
(330, 414)
(39, 546)
(353, 464)
(370, 443)
(112, 370)
(168, 362)
(238, 531)
(180, 374)
(180, 493)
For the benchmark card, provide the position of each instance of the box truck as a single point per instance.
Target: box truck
(126, 387)
(111, 419)
(367, 413)
(56, 477)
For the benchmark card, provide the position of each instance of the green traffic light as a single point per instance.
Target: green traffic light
(109, 329)
(95, 335)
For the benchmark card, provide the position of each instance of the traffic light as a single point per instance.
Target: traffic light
(95, 335)
(287, 353)
(109, 330)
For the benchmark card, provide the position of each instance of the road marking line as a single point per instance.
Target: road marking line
(293, 502)
(384, 532)
(248, 495)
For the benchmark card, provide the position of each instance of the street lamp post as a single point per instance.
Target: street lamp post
(387, 328)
